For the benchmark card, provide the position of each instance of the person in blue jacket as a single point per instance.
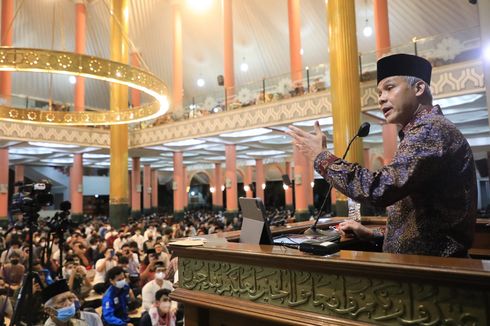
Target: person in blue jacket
(116, 298)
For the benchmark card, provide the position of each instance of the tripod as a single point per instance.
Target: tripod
(29, 277)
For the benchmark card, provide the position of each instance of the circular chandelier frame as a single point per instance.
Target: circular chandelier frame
(69, 63)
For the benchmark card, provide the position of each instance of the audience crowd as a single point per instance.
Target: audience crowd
(94, 274)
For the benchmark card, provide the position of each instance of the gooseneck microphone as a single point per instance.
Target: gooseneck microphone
(362, 132)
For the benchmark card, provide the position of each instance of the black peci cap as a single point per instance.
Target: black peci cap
(54, 289)
(404, 65)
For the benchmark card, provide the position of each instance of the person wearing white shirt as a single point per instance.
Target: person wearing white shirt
(150, 288)
(101, 267)
(138, 238)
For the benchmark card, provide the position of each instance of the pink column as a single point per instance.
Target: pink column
(294, 20)
(383, 44)
(147, 189)
(247, 180)
(217, 183)
(6, 40)
(135, 94)
(130, 191)
(154, 191)
(231, 178)
(259, 178)
(4, 185)
(301, 209)
(136, 188)
(367, 158)
(187, 184)
(228, 49)
(80, 27)
(179, 184)
(76, 185)
(178, 74)
(289, 192)
(19, 173)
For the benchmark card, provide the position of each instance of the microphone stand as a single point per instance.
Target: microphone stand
(313, 230)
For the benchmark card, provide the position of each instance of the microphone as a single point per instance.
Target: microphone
(362, 132)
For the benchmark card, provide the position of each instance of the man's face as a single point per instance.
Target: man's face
(397, 99)
(64, 300)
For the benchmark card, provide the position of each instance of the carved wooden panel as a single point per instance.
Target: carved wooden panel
(361, 298)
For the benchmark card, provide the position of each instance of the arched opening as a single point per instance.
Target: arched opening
(199, 195)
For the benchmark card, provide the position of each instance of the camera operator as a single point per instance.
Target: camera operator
(101, 267)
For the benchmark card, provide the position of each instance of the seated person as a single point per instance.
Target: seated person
(161, 312)
(76, 275)
(13, 271)
(158, 283)
(101, 267)
(62, 307)
(5, 304)
(116, 298)
(147, 267)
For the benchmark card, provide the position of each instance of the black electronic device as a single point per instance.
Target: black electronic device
(316, 247)
(255, 228)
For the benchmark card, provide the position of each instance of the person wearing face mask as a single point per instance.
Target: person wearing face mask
(161, 312)
(116, 298)
(158, 283)
(13, 271)
(63, 308)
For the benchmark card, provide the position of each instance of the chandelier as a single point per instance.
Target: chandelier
(69, 63)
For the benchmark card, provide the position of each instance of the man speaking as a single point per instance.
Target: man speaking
(429, 188)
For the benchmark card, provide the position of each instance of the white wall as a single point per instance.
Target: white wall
(95, 185)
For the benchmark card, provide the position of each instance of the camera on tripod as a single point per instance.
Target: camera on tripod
(32, 197)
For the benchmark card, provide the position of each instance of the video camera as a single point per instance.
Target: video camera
(31, 197)
(61, 221)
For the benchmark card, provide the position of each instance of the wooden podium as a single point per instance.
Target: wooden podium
(235, 284)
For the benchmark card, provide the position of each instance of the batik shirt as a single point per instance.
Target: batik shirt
(429, 188)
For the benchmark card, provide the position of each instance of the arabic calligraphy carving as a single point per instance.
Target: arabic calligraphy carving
(380, 301)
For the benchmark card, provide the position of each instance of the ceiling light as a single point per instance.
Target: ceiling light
(149, 159)
(310, 123)
(72, 80)
(265, 153)
(187, 142)
(222, 187)
(279, 140)
(367, 31)
(93, 155)
(246, 188)
(29, 151)
(244, 67)
(263, 186)
(212, 189)
(199, 5)
(222, 148)
(301, 51)
(247, 133)
(215, 158)
(457, 100)
(53, 145)
(486, 53)
(59, 161)
(201, 82)
(285, 186)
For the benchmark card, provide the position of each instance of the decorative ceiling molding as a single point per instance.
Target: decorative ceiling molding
(450, 80)
(57, 134)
